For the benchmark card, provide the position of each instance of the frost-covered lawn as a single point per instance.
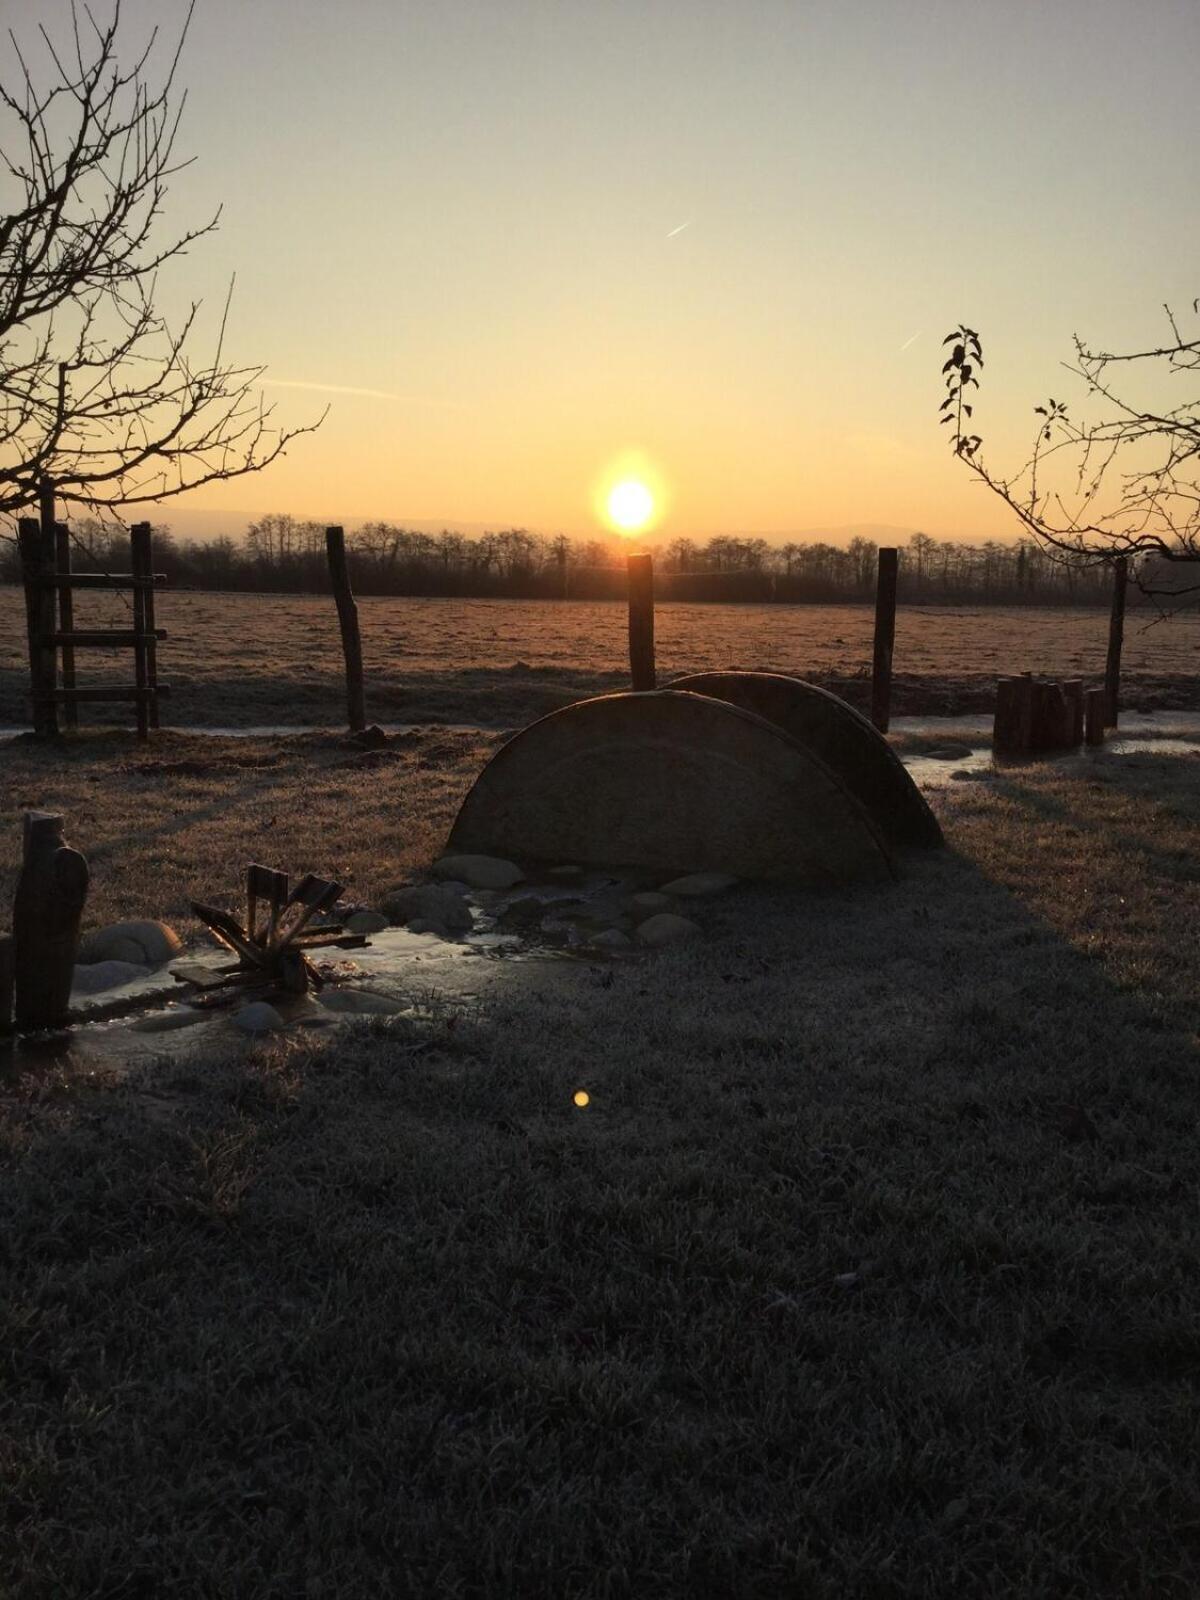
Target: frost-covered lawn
(871, 1268)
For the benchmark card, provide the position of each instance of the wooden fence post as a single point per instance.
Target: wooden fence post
(640, 570)
(37, 563)
(1116, 633)
(885, 638)
(66, 620)
(347, 610)
(141, 561)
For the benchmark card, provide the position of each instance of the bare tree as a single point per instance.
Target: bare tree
(97, 392)
(1125, 481)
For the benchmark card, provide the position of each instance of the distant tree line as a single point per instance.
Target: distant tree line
(282, 553)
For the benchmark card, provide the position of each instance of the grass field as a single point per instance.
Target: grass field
(870, 1270)
(264, 660)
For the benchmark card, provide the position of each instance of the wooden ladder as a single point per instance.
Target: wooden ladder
(50, 616)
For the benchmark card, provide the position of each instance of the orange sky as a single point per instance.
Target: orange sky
(509, 242)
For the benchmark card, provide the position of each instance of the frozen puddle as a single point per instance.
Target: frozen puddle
(961, 747)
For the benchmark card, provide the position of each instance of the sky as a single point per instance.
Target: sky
(513, 242)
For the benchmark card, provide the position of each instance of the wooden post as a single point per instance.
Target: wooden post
(1095, 703)
(1116, 633)
(38, 562)
(138, 539)
(47, 907)
(66, 620)
(141, 547)
(339, 576)
(885, 638)
(640, 571)
(1073, 689)
(1012, 730)
(6, 983)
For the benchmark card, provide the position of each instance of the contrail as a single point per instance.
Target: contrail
(681, 227)
(909, 341)
(343, 388)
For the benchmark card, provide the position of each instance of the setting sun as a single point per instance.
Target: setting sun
(630, 505)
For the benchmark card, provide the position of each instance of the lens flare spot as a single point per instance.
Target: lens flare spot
(582, 1097)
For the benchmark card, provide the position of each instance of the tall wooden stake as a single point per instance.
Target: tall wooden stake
(66, 620)
(640, 570)
(1116, 633)
(339, 576)
(47, 907)
(37, 561)
(142, 562)
(885, 638)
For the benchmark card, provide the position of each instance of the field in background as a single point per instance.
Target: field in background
(238, 660)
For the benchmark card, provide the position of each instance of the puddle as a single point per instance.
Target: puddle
(398, 973)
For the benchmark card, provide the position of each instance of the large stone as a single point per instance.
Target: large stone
(97, 976)
(480, 871)
(837, 735)
(258, 1017)
(695, 884)
(672, 781)
(666, 928)
(646, 903)
(434, 903)
(145, 943)
(366, 921)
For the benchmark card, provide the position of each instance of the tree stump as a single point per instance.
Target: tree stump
(47, 908)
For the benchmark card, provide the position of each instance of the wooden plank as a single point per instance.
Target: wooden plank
(100, 692)
(270, 886)
(100, 580)
(140, 566)
(105, 638)
(885, 638)
(142, 562)
(642, 672)
(1116, 634)
(347, 610)
(66, 621)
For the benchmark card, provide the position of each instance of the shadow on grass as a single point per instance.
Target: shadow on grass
(870, 1269)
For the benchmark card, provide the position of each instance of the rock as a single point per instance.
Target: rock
(366, 922)
(168, 1021)
(95, 977)
(372, 738)
(947, 752)
(361, 1003)
(432, 903)
(666, 928)
(522, 913)
(647, 903)
(610, 939)
(481, 872)
(698, 883)
(258, 1017)
(146, 943)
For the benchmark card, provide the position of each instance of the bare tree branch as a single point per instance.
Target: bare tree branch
(1125, 481)
(97, 391)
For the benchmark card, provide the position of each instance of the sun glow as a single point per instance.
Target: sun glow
(630, 505)
(630, 496)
